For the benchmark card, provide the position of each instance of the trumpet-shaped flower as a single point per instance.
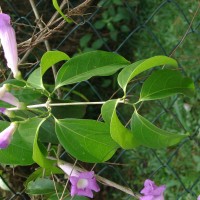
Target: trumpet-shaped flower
(8, 97)
(82, 183)
(68, 168)
(6, 135)
(9, 44)
(152, 191)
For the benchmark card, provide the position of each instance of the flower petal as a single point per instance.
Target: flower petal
(148, 187)
(87, 175)
(86, 192)
(74, 190)
(4, 19)
(148, 197)
(92, 184)
(161, 197)
(3, 90)
(74, 180)
(82, 183)
(159, 190)
(9, 98)
(9, 43)
(6, 135)
(2, 110)
(68, 169)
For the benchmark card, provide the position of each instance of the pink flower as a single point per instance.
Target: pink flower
(68, 168)
(6, 135)
(152, 191)
(83, 183)
(9, 44)
(8, 97)
(2, 110)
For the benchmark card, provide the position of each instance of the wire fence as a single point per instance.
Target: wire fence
(136, 30)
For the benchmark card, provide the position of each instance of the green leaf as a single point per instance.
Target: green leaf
(56, 6)
(99, 24)
(38, 173)
(20, 151)
(71, 111)
(151, 136)
(86, 140)
(26, 95)
(97, 44)
(50, 58)
(15, 82)
(84, 40)
(40, 156)
(42, 186)
(123, 136)
(3, 104)
(21, 92)
(45, 135)
(138, 67)
(164, 83)
(87, 65)
(35, 79)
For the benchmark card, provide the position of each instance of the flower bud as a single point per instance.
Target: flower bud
(6, 135)
(8, 97)
(9, 44)
(68, 169)
(3, 90)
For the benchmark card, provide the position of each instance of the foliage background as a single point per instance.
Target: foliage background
(136, 30)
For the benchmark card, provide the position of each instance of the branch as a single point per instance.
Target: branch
(47, 104)
(49, 30)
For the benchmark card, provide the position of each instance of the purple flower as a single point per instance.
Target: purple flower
(2, 110)
(198, 198)
(9, 44)
(83, 183)
(152, 191)
(68, 168)
(8, 97)
(6, 135)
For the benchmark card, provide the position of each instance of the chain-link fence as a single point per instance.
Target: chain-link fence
(136, 30)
